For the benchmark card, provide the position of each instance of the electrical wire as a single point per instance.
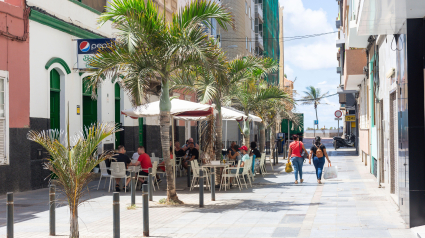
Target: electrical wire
(289, 38)
(306, 100)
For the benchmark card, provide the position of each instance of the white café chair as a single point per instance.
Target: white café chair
(227, 173)
(262, 164)
(103, 173)
(270, 161)
(118, 170)
(153, 155)
(154, 170)
(195, 168)
(245, 171)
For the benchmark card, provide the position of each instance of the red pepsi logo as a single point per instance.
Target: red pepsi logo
(84, 46)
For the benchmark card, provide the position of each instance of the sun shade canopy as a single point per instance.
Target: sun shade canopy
(180, 110)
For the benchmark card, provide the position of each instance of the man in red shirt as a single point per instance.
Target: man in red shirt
(145, 163)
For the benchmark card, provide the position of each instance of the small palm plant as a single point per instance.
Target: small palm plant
(72, 161)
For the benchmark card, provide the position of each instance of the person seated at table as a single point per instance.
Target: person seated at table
(178, 150)
(254, 150)
(230, 149)
(119, 157)
(161, 166)
(192, 154)
(145, 163)
(236, 156)
(188, 145)
(245, 157)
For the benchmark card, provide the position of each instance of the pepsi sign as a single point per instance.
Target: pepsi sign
(86, 48)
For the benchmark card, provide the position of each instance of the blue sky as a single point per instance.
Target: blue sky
(313, 61)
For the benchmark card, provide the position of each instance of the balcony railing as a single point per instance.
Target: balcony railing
(259, 12)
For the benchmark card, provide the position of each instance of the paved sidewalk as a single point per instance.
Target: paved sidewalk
(349, 206)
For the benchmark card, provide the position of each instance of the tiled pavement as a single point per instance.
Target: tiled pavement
(349, 206)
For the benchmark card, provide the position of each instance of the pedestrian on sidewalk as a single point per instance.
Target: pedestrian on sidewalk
(318, 153)
(294, 155)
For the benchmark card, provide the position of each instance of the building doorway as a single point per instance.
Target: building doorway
(89, 106)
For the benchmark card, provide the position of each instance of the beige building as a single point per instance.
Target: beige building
(241, 40)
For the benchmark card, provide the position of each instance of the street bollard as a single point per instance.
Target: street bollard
(145, 210)
(212, 184)
(52, 210)
(116, 214)
(201, 188)
(9, 212)
(188, 176)
(150, 188)
(133, 188)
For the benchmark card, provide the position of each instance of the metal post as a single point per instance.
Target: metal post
(150, 188)
(133, 188)
(201, 188)
(212, 184)
(338, 127)
(116, 214)
(52, 210)
(145, 210)
(188, 175)
(9, 212)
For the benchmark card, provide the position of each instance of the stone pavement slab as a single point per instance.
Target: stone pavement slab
(349, 206)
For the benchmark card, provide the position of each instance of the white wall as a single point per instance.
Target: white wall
(46, 43)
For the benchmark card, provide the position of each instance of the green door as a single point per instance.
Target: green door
(117, 113)
(89, 107)
(54, 99)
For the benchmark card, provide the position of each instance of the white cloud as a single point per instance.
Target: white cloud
(322, 82)
(288, 71)
(311, 53)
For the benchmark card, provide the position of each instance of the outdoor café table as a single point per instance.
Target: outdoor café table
(217, 167)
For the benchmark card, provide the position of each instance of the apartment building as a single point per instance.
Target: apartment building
(381, 62)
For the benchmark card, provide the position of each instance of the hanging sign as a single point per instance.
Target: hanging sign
(316, 122)
(350, 118)
(87, 48)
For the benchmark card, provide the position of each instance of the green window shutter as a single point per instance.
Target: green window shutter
(54, 99)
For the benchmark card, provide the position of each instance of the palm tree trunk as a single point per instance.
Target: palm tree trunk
(73, 211)
(262, 136)
(246, 133)
(164, 121)
(272, 139)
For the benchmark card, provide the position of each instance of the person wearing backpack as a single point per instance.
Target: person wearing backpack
(318, 153)
(294, 154)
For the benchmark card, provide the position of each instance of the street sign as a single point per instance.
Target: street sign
(338, 113)
(350, 118)
(338, 119)
(87, 48)
(316, 122)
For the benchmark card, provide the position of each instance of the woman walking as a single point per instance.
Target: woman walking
(294, 155)
(318, 152)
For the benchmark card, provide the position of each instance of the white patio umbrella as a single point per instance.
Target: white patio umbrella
(229, 114)
(180, 109)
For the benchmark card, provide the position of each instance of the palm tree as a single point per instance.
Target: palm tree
(314, 97)
(72, 163)
(214, 85)
(247, 96)
(149, 51)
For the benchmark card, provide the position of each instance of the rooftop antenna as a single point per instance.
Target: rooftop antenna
(295, 80)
